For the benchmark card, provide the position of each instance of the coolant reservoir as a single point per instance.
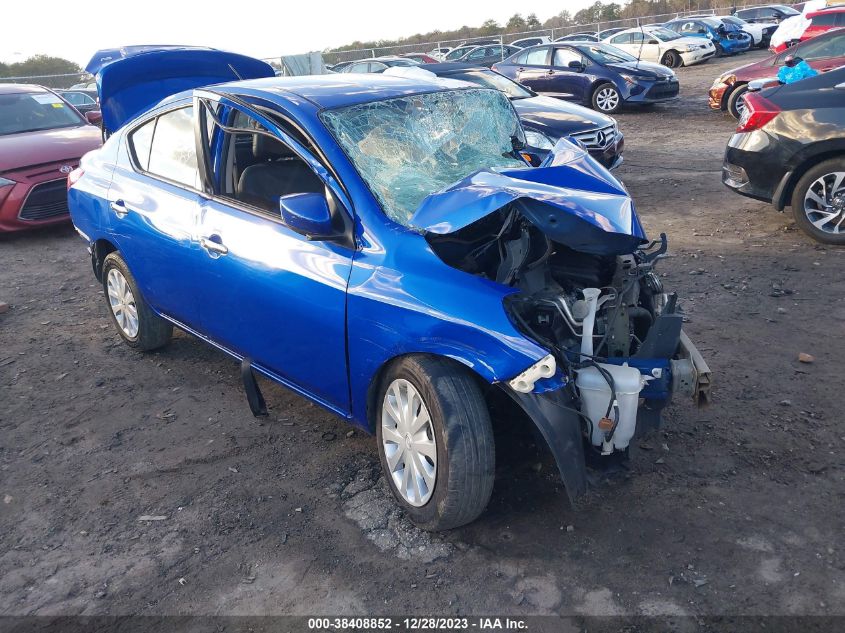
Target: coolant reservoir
(595, 395)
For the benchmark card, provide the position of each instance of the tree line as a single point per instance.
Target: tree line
(43, 65)
(597, 12)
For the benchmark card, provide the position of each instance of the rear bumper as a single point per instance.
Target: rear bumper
(752, 173)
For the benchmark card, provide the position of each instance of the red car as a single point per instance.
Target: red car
(420, 57)
(821, 21)
(42, 138)
(825, 52)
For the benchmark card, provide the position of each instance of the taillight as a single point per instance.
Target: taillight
(74, 176)
(758, 111)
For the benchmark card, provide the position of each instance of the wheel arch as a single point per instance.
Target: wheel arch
(377, 378)
(100, 249)
(783, 194)
(727, 96)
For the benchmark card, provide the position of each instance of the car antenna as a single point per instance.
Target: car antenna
(232, 68)
(642, 41)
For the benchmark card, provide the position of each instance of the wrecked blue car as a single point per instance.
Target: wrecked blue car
(380, 246)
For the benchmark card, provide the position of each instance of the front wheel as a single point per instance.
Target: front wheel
(671, 59)
(720, 52)
(606, 99)
(818, 202)
(435, 442)
(736, 101)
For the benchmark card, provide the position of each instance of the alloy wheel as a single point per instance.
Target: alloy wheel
(122, 303)
(607, 99)
(824, 203)
(407, 437)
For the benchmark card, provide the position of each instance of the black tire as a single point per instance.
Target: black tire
(720, 52)
(672, 59)
(463, 437)
(153, 331)
(837, 197)
(734, 105)
(610, 105)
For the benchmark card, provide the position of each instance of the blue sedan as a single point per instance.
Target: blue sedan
(591, 73)
(378, 245)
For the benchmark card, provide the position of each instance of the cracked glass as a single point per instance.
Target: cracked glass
(409, 147)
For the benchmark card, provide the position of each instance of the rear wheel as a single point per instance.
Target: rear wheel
(606, 98)
(736, 101)
(671, 59)
(136, 323)
(435, 441)
(818, 202)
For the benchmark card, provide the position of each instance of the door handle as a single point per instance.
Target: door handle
(213, 246)
(550, 72)
(119, 208)
(520, 70)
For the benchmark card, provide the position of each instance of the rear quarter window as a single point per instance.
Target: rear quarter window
(140, 142)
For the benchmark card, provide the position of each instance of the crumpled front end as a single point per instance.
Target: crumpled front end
(566, 236)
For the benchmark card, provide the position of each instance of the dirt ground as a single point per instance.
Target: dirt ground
(735, 509)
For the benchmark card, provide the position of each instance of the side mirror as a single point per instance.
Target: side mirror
(94, 117)
(308, 214)
(576, 66)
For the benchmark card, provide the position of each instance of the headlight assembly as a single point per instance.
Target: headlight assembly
(538, 140)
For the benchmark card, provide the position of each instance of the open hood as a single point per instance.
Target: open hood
(131, 80)
(570, 198)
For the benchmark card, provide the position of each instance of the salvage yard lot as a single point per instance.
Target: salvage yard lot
(735, 509)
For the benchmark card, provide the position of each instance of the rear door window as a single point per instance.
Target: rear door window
(826, 19)
(537, 56)
(624, 38)
(816, 49)
(173, 153)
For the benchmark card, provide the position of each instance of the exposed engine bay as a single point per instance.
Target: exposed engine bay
(612, 330)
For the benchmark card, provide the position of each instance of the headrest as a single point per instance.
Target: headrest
(265, 148)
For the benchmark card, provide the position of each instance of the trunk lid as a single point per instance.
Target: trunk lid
(132, 79)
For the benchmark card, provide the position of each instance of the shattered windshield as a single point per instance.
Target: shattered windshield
(410, 147)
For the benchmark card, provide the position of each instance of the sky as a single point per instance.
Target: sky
(260, 29)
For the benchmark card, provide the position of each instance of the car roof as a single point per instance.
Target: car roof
(446, 68)
(12, 89)
(330, 91)
(825, 10)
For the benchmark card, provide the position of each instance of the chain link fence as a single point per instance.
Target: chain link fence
(60, 82)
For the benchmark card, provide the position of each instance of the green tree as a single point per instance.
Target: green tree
(515, 22)
(39, 65)
(532, 22)
(489, 27)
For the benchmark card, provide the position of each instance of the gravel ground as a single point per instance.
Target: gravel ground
(141, 484)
